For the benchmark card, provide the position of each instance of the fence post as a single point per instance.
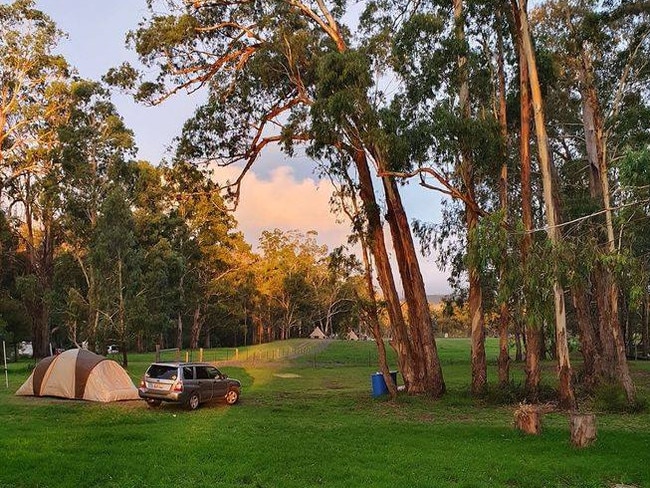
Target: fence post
(236, 353)
(187, 356)
(200, 355)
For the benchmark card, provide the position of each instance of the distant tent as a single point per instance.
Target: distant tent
(317, 334)
(352, 336)
(82, 375)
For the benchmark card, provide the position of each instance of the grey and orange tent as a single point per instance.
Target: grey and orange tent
(82, 375)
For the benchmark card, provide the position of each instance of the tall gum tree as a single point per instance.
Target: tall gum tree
(566, 393)
(475, 300)
(264, 83)
(34, 105)
(604, 48)
(532, 329)
(439, 134)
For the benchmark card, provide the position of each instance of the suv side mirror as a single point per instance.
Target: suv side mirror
(224, 376)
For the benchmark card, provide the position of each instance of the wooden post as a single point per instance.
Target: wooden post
(236, 353)
(157, 353)
(187, 356)
(200, 355)
(528, 419)
(583, 429)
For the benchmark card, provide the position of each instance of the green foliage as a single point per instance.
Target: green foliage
(610, 398)
(635, 168)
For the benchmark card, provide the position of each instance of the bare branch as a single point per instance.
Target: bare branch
(449, 189)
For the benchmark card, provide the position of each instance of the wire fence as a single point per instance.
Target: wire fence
(307, 353)
(264, 353)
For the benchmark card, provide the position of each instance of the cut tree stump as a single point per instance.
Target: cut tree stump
(583, 429)
(528, 419)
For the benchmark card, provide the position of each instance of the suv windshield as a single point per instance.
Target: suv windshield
(162, 372)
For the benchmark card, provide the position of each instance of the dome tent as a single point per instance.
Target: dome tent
(81, 375)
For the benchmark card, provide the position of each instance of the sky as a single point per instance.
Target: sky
(279, 193)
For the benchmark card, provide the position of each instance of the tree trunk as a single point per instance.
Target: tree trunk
(371, 310)
(93, 310)
(377, 245)
(645, 333)
(373, 317)
(179, 331)
(121, 313)
(430, 379)
(519, 356)
(588, 339)
(603, 306)
(475, 302)
(503, 362)
(566, 394)
(622, 370)
(533, 373)
(583, 429)
(532, 331)
(197, 324)
(599, 183)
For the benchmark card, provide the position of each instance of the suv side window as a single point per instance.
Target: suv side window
(188, 372)
(213, 373)
(202, 373)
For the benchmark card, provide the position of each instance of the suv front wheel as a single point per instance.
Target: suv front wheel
(232, 397)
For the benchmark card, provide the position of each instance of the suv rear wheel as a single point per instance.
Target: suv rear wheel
(193, 402)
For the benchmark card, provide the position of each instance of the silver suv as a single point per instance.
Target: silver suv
(189, 384)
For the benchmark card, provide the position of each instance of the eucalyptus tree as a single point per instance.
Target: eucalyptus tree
(214, 253)
(116, 257)
(288, 82)
(520, 11)
(445, 124)
(604, 48)
(34, 105)
(95, 151)
(345, 201)
(288, 259)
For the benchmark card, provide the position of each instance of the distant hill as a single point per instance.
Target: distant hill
(435, 299)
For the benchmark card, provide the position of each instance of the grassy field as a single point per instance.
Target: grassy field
(311, 421)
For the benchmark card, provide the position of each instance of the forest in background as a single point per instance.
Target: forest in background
(535, 123)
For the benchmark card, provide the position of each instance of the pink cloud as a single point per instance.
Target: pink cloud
(285, 202)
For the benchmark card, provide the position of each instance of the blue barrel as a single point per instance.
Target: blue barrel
(379, 387)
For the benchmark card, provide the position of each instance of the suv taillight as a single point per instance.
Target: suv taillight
(142, 383)
(178, 386)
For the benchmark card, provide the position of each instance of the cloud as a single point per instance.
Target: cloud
(286, 202)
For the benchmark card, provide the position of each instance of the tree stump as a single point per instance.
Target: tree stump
(583, 429)
(528, 419)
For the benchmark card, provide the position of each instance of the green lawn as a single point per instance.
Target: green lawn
(311, 421)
